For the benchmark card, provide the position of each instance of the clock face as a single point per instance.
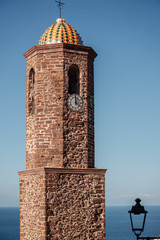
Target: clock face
(75, 102)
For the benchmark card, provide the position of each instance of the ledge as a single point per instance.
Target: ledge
(86, 171)
(60, 47)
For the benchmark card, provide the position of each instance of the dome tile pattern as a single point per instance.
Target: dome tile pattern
(60, 32)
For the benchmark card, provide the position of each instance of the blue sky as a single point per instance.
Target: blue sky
(126, 36)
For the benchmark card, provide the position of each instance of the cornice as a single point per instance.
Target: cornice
(83, 171)
(59, 47)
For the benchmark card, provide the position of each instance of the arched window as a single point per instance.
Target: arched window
(31, 78)
(31, 91)
(73, 74)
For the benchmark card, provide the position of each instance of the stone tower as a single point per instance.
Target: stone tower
(62, 194)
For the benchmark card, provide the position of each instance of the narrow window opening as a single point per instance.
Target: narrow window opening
(31, 78)
(73, 74)
(31, 91)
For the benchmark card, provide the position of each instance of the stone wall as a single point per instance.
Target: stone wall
(77, 210)
(32, 206)
(62, 204)
(77, 139)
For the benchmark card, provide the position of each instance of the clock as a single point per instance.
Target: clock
(75, 102)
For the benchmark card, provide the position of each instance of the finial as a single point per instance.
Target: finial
(60, 5)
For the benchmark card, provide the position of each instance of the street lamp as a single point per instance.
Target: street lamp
(138, 224)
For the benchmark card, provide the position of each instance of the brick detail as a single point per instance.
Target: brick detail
(44, 129)
(56, 136)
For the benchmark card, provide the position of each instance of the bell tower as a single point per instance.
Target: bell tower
(62, 194)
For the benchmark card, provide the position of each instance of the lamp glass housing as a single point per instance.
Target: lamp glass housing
(138, 221)
(137, 217)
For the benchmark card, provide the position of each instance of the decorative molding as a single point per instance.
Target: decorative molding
(60, 47)
(86, 171)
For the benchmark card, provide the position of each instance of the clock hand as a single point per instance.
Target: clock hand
(75, 100)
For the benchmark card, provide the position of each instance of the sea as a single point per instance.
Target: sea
(118, 225)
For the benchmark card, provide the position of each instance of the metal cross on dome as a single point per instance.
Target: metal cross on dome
(60, 5)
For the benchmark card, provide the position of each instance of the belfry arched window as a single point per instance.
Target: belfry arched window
(32, 78)
(73, 74)
(31, 91)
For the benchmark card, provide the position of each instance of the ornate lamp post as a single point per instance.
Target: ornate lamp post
(136, 210)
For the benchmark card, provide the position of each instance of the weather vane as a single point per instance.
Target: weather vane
(60, 5)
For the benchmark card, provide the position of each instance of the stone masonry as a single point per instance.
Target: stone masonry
(62, 194)
(59, 204)
(56, 136)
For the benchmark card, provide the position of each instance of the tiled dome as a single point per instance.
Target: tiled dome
(60, 32)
